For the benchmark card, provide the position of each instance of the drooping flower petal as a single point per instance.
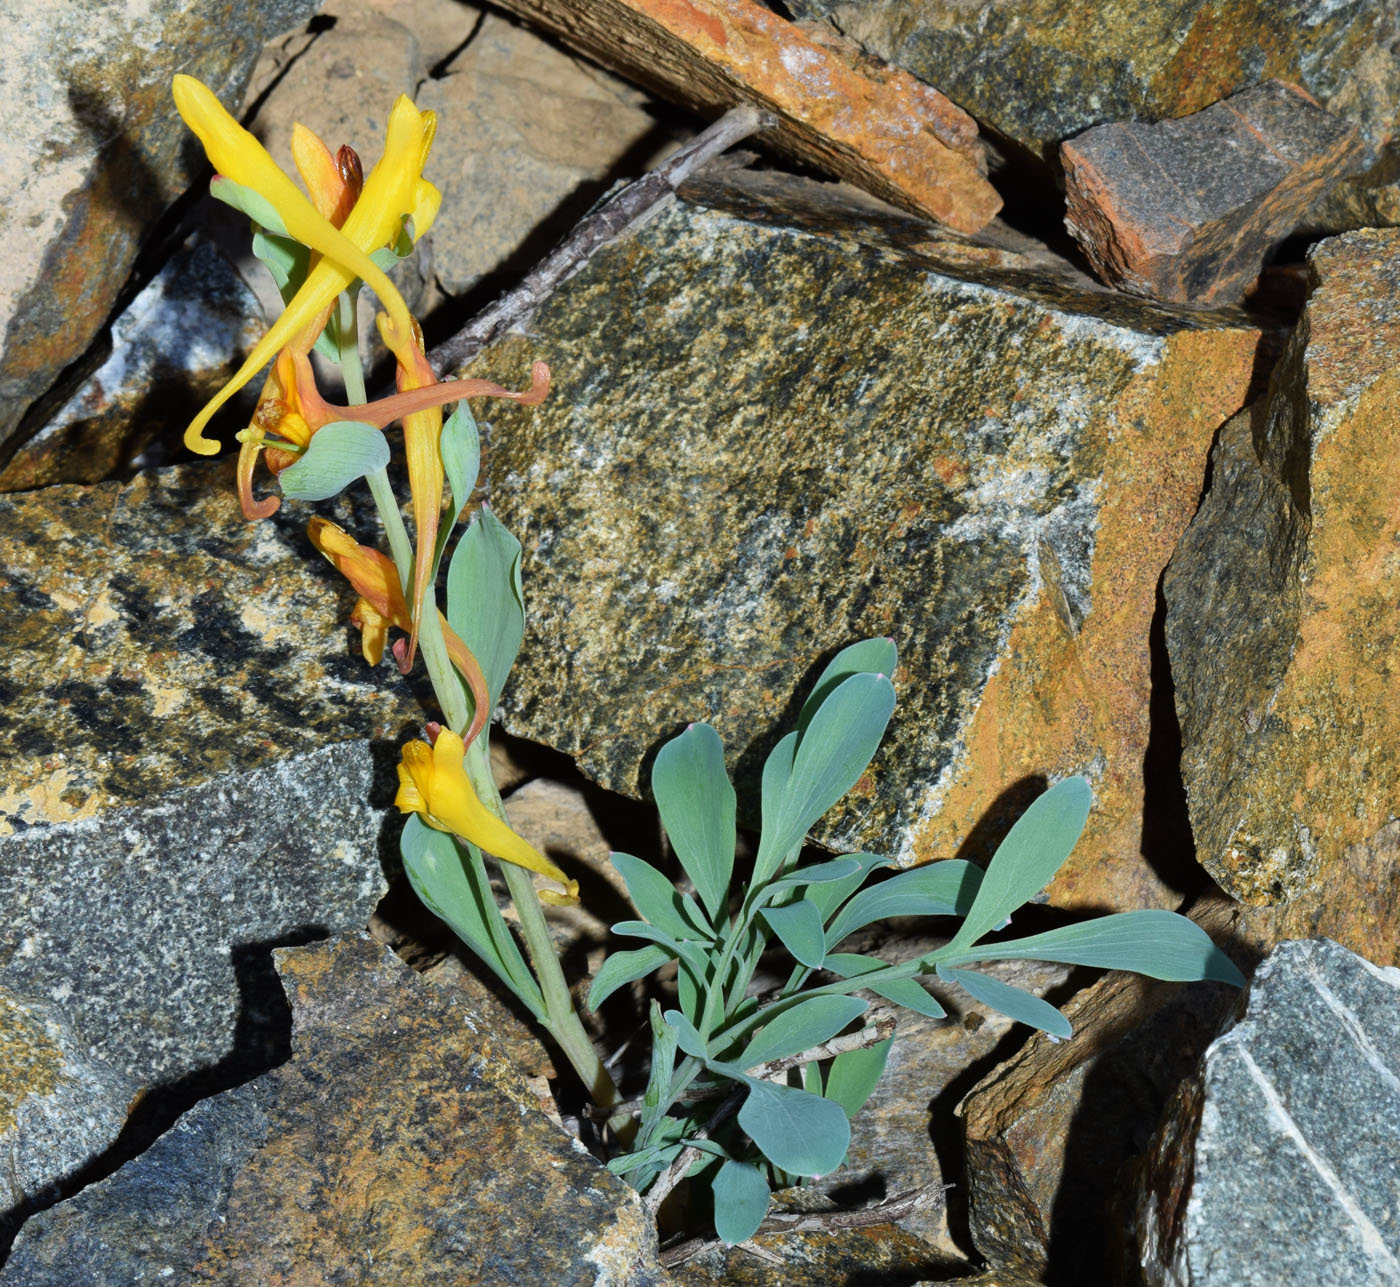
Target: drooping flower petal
(434, 784)
(394, 188)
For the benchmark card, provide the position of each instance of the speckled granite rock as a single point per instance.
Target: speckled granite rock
(1282, 621)
(58, 1104)
(1047, 1133)
(93, 152)
(1189, 210)
(1279, 1164)
(1036, 72)
(171, 348)
(767, 439)
(398, 1147)
(195, 766)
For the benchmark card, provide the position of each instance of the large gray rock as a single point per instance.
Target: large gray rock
(777, 427)
(1280, 1165)
(194, 770)
(399, 1146)
(92, 152)
(1281, 622)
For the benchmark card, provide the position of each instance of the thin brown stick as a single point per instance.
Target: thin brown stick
(893, 1209)
(872, 1034)
(610, 219)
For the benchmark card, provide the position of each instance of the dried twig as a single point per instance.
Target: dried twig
(600, 226)
(871, 1035)
(899, 1207)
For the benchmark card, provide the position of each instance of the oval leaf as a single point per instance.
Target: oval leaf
(625, 967)
(831, 894)
(937, 889)
(854, 1075)
(337, 455)
(1162, 945)
(1012, 1002)
(799, 928)
(687, 1037)
(868, 657)
(692, 953)
(697, 804)
(831, 754)
(485, 602)
(797, 1131)
(461, 455)
(821, 873)
(653, 895)
(805, 1025)
(1025, 861)
(741, 1202)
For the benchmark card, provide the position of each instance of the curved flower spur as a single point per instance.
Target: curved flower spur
(321, 248)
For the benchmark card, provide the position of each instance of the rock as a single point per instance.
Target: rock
(522, 129)
(1047, 1133)
(195, 768)
(1188, 210)
(1282, 628)
(1278, 1162)
(397, 1146)
(171, 349)
(770, 437)
(58, 1105)
(93, 154)
(1034, 76)
(875, 127)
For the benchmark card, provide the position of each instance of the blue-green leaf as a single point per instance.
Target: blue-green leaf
(741, 1202)
(854, 1075)
(696, 800)
(832, 753)
(799, 927)
(937, 889)
(253, 204)
(656, 1099)
(794, 1129)
(830, 895)
(337, 455)
(485, 601)
(820, 873)
(868, 657)
(287, 260)
(693, 953)
(1160, 944)
(687, 1037)
(1012, 1002)
(653, 895)
(801, 1027)
(461, 456)
(450, 878)
(1025, 861)
(777, 776)
(906, 992)
(625, 967)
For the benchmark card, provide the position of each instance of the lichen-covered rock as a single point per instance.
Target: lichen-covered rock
(397, 1147)
(195, 767)
(1188, 210)
(1277, 1164)
(1283, 621)
(171, 348)
(769, 437)
(1037, 71)
(93, 151)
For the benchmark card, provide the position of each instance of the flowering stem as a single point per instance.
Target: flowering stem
(388, 505)
(348, 330)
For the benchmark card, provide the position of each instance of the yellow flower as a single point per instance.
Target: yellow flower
(434, 784)
(395, 187)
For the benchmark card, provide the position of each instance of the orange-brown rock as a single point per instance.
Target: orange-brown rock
(1188, 210)
(1283, 622)
(874, 126)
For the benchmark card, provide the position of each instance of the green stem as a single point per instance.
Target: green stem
(348, 327)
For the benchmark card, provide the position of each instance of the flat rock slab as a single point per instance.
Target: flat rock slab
(769, 437)
(878, 128)
(1188, 210)
(196, 769)
(1035, 73)
(93, 154)
(1279, 1164)
(1282, 622)
(399, 1146)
